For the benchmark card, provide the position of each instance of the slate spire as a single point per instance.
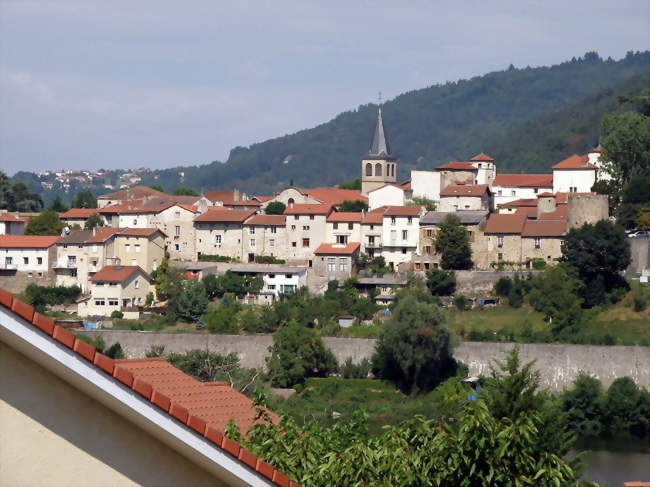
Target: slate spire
(379, 147)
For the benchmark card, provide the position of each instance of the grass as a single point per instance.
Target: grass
(494, 319)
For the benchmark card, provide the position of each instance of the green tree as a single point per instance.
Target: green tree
(556, 293)
(182, 191)
(84, 199)
(620, 411)
(168, 281)
(503, 286)
(15, 196)
(275, 208)
(599, 253)
(352, 184)
(93, 221)
(223, 319)
(440, 282)
(296, 354)
(626, 145)
(583, 405)
(430, 205)
(414, 347)
(192, 302)
(115, 351)
(157, 187)
(47, 223)
(452, 243)
(57, 205)
(353, 206)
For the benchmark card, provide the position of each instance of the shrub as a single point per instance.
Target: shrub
(117, 314)
(640, 303)
(222, 319)
(441, 283)
(538, 264)
(40, 296)
(115, 351)
(268, 259)
(350, 370)
(461, 302)
(503, 286)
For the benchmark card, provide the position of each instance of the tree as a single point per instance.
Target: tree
(14, 196)
(620, 412)
(191, 303)
(57, 205)
(353, 184)
(582, 404)
(168, 281)
(157, 187)
(452, 243)
(643, 220)
(599, 253)
(414, 348)
(430, 205)
(296, 354)
(353, 206)
(626, 145)
(93, 221)
(441, 283)
(84, 199)
(47, 223)
(182, 191)
(555, 292)
(275, 208)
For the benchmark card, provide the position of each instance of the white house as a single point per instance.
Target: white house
(386, 195)
(400, 233)
(510, 187)
(30, 254)
(574, 174)
(278, 279)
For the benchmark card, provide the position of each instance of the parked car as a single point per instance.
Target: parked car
(639, 234)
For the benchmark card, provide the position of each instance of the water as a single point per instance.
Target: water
(612, 462)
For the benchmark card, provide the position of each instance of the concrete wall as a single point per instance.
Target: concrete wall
(640, 252)
(559, 364)
(16, 281)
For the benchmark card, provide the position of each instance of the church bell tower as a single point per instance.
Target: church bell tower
(378, 166)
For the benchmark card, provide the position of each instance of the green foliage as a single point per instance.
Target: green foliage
(414, 347)
(461, 302)
(354, 206)
(183, 191)
(351, 370)
(215, 258)
(538, 264)
(275, 208)
(353, 184)
(97, 342)
(192, 302)
(503, 286)
(640, 302)
(15, 196)
(222, 319)
(47, 223)
(376, 265)
(157, 187)
(155, 351)
(428, 204)
(232, 283)
(93, 221)
(599, 253)
(57, 205)
(148, 301)
(441, 283)
(169, 282)
(452, 243)
(583, 405)
(41, 296)
(626, 145)
(116, 314)
(268, 259)
(115, 351)
(84, 199)
(297, 353)
(555, 292)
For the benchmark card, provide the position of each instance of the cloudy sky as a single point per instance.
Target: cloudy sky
(90, 84)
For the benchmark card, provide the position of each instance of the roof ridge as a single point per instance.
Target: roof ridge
(143, 388)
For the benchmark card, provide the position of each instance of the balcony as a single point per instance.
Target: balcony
(65, 264)
(374, 245)
(7, 266)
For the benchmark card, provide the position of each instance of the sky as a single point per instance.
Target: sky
(88, 84)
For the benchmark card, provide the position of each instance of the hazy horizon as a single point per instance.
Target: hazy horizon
(84, 85)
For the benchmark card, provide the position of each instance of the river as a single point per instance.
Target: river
(612, 462)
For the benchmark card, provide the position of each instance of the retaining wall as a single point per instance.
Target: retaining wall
(558, 364)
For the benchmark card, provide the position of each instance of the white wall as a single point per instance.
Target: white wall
(273, 282)
(32, 255)
(565, 179)
(393, 238)
(387, 196)
(519, 193)
(426, 184)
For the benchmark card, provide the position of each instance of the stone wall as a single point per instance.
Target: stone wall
(16, 281)
(559, 364)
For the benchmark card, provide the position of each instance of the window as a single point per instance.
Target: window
(177, 247)
(500, 193)
(428, 249)
(393, 236)
(405, 234)
(272, 242)
(252, 230)
(336, 226)
(295, 217)
(350, 226)
(393, 220)
(252, 242)
(290, 202)
(470, 234)
(369, 169)
(113, 302)
(536, 190)
(293, 227)
(305, 227)
(25, 260)
(513, 193)
(311, 217)
(331, 264)
(293, 244)
(39, 260)
(137, 248)
(372, 227)
(343, 264)
(429, 232)
(500, 241)
(271, 287)
(274, 230)
(217, 239)
(538, 243)
(137, 284)
(410, 220)
(134, 261)
(378, 169)
(178, 214)
(112, 284)
(177, 230)
(8, 260)
(305, 242)
(135, 222)
(127, 248)
(100, 302)
(499, 256)
(467, 207)
(342, 239)
(99, 284)
(403, 250)
(480, 165)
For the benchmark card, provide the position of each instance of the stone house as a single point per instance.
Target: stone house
(176, 221)
(265, 235)
(542, 239)
(336, 261)
(400, 234)
(232, 198)
(117, 288)
(460, 197)
(306, 230)
(25, 259)
(220, 231)
(500, 241)
(343, 227)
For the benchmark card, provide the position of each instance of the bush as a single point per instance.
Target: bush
(215, 258)
(275, 208)
(640, 303)
(268, 259)
(190, 304)
(115, 351)
(441, 283)
(538, 264)
(222, 319)
(461, 302)
(117, 315)
(350, 370)
(503, 286)
(40, 296)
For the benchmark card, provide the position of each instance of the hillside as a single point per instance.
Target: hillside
(526, 118)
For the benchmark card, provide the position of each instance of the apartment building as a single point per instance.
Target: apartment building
(220, 231)
(265, 235)
(460, 197)
(336, 261)
(306, 226)
(400, 234)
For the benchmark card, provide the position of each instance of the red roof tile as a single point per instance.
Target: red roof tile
(596, 150)
(519, 203)
(204, 407)
(117, 273)
(224, 215)
(481, 158)
(524, 180)
(457, 166)
(79, 213)
(267, 220)
(136, 192)
(337, 249)
(345, 216)
(540, 228)
(560, 213)
(373, 218)
(308, 209)
(546, 194)
(529, 211)
(334, 196)
(102, 234)
(8, 217)
(500, 223)
(465, 190)
(402, 211)
(27, 241)
(574, 162)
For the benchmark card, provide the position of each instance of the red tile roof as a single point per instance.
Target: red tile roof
(117, 273)
(524, 180)
(546, 194)
(540, 228)
(574, 162)
(596, 150)
(27, 241)
(529, 211)
(202, 407)
(457, 166)
(308, 209)
(334, 196)
(519, 203)
(481, 158)
(337, 249)
(501, 223)
(560, 213)
(8, 217)
(224, 215)
(267, 220)
(402, 211)
(102, 234)
(345, 216)
(373, 218)
(136, 192)
(79, 213)
(465, 190)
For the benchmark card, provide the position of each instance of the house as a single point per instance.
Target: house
(400, 233)
(343, 227)
(233, 199)
(219, 231)
(336, 261)
(382, 288)
(25, 259)
(510, 187)
(143, 195)
(371, 232)
(315, 196)
(574, 174)
(306, 229)
(77, 216)
(112, 422)
(387, 195)
(117, 288)
(427, 258)
(278, 279)
(461, 197)
(11, 224)
(176, 221)
(265, 235)
(486, 168)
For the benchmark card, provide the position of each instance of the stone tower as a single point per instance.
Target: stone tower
(378, 166)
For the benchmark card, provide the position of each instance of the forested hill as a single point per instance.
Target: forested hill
(527, 119)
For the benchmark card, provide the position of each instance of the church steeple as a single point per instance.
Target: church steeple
(379, 146)
(378, 166)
